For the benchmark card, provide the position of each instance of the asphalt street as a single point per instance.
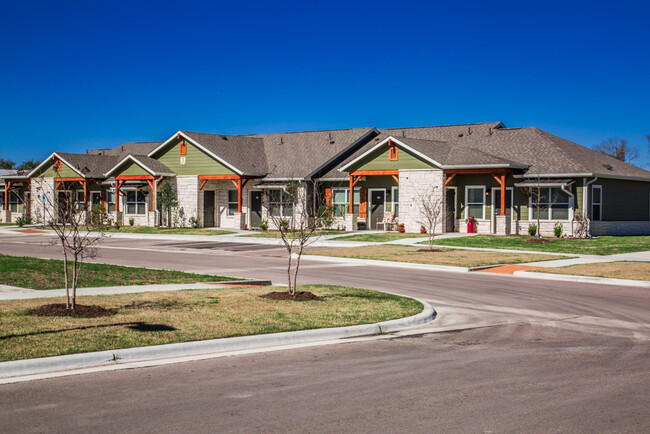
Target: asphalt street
(561, 357)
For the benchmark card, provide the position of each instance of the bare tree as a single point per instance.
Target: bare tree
(430, 203)
(78, 232)
(296, 223)
(619, 149)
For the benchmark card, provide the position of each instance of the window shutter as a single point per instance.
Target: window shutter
(363, 202)
(328, 199)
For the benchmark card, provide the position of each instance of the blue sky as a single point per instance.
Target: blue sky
(82, 75)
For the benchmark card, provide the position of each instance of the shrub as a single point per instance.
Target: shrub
(284, 225)
(325, 219)
(532, 230)
(264, 225)
(131, 221)
(557, 229)
(20, 221)
(194, 222)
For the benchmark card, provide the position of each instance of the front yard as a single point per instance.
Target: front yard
(276, 234)
(617, 270)
(596, 246)
(35, 273)
(419, 255)
(378, 237)
(166, 317)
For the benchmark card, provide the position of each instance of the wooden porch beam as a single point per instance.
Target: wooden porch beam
(351, 194)
(448, 180)
(396, 178)
(203, 184)
(213, 177)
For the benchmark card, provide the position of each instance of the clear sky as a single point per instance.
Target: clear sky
(88, 74)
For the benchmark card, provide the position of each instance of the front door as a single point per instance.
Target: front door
(64, 204)
(95, 199)
(377, 206)
(496, 206)
(208, 209)
(450, 207)
(256, 208)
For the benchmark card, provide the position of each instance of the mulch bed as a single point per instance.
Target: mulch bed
(538, 241)
(430, 251)
(285, 295)
(58, 309)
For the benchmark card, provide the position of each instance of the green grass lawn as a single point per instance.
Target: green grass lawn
(167, 317)
(35, 273)
(276, 234)
(378, 237)
(597, 246)
(7, 224)
(616, 270)
(172, 231)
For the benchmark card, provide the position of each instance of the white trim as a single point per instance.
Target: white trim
(139, 163)
(369, 206)
(600, 214)
(337, 156)
(29, 175)
(392, 199)
(382, 143)
(512, 210)
(176, 134)
(583, 175)
(467, 187)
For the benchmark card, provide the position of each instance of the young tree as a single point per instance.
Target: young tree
(167, 200)
(619, 149)
(297, 228)
(430, 203)
(78, 233)
(6, 164)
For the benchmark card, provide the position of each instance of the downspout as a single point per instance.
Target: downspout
(572, 196)
(585, 200)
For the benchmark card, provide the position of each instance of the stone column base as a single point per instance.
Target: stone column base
(119, 218)
(152, 218)
(502, 225)
(7, 216)
(240, 220)
(351, 223)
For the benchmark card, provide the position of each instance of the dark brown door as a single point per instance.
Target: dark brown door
(377, 206)
(208, 209)
(450, 207)
(256, 208)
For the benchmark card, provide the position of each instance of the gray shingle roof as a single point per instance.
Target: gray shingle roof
(91, 166)
(135, 148)
(243, 152)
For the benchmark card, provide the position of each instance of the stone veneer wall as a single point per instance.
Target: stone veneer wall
(187, 193)
(620, 228)
(412, 184)
(39, 187)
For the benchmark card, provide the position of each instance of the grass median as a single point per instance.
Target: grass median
(36, 273)
(595, 246)
(421, 255)
(616, 270)
(167, 317)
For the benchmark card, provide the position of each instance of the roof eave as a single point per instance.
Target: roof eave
(383, 142)
(337, 156)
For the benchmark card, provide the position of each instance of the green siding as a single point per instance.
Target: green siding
(374, 182)
(129, 168)
(378, 160)
(624, 200)
(197, 162)
(48, 171)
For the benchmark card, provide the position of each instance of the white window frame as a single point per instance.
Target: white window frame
(347, 199)
(467, 188)
(236, 203)
(2, 199)
(600, 203)
(531, 207)
(137, 204)
(281, 204)
(13, 202)
(392, 200)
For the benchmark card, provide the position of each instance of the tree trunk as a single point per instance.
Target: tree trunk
(295, 273)
(291, 291)
(65, 277)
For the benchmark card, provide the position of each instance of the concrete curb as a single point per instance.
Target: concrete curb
(392, 264)
(46, 365)
(582, 279)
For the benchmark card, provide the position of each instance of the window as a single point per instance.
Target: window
(395, 200)
(475, 201)
(233, 202)
(392, 153)
(2, 199)
(183, 148)
(340, 198)
(279, 204)
(135, 202)
(553, 204)
(597, 202)
(110, 201)
(13, 202)
(80, 200)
